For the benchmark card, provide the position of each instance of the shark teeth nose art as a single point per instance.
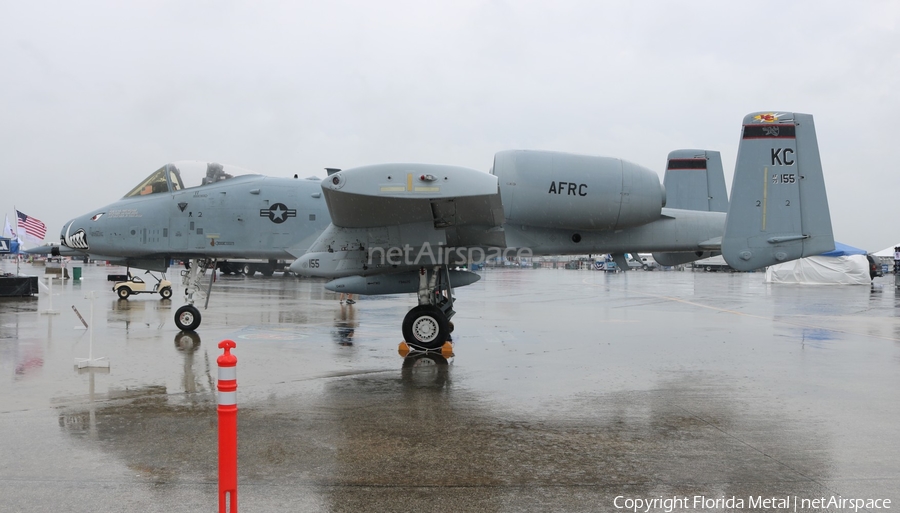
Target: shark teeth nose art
(77, 240)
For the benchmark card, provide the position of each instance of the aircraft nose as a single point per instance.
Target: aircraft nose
(62, 233)
(73, 236)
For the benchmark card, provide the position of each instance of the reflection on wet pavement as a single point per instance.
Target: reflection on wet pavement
(566, 389)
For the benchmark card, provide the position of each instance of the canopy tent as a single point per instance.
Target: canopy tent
(887, 252)
(9, 246)
(841, 249)
(845, 265)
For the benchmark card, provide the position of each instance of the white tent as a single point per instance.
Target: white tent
(887, 252)
(845, 265)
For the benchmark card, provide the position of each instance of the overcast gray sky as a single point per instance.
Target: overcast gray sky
(96, 95)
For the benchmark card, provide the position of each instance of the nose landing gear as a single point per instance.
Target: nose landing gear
(187, 318)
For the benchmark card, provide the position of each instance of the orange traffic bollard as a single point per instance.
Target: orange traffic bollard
(227, 409)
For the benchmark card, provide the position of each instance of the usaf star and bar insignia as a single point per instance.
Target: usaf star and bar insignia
(278, 213)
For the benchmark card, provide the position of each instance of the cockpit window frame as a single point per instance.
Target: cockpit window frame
(169, 179)
(157, 182)
(175, 178)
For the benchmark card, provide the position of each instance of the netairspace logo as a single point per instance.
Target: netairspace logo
(770, 503)
(427, 254)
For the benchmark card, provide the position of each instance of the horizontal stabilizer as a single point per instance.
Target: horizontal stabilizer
(778, 209)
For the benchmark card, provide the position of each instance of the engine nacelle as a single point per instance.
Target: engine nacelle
(562, 190)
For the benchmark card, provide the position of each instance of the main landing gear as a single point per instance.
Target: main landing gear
(428, 325)
(187, 318)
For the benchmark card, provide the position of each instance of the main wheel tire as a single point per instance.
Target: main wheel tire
(123, 292)
(166, 292)
(187, 318)
(268, 270)
(426, 326)
(248, 271)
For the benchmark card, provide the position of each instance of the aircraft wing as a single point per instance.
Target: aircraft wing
(55, 250)
(464, 203)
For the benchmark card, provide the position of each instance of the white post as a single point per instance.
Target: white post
(50, 310)
(90, 361)
(91, 340)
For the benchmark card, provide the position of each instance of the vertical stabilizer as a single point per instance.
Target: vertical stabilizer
(695, 181)
(778, 209)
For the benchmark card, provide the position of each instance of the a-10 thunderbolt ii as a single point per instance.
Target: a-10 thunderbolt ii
(406, 228)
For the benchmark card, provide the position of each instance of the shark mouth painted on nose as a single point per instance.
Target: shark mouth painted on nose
(77, 240)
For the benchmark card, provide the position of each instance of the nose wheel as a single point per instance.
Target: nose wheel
(187, 318)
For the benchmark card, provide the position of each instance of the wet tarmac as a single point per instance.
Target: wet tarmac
(567, 390)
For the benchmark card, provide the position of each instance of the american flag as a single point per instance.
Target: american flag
(32, 226)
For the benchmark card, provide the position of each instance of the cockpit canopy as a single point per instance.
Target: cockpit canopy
(184, 175)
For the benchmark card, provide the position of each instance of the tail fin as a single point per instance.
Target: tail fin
(695, 181)
(778, 209)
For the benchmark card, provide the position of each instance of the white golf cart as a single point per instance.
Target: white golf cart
(135, 285)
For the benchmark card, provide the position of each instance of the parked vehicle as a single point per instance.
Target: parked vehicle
(713, 264)
(874, 267)
(135, 285)
(648, 263)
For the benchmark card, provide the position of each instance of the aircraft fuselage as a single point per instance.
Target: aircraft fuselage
(252, 216)
(674, 231)
(357, 252)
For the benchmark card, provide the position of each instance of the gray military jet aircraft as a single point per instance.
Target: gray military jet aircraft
(201, 213)
(404, 227)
